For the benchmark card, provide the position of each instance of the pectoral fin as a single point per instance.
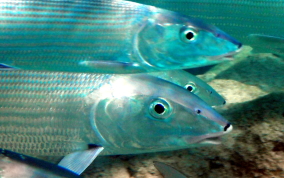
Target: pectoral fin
(113, 66)
(77, 162)
(266, 43)
(168, 171)
(32, 165)
(7, 67)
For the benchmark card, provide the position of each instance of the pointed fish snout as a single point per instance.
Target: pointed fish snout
(227, 37)
(240, 45)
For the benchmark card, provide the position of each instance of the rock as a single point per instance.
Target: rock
(236, 92)
(263, 71)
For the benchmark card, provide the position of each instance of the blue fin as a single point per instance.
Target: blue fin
(37, 163)
(7, 67)
(168, 171)
(119, 67)
(266, 43)
(77, 162)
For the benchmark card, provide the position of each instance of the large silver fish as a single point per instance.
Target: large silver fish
(256, 23)
(108, 36)
(192, 84)
(49, 113)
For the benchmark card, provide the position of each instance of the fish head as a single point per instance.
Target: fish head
(192, 84)
(205, 92)
(150, 114)
(173, 41)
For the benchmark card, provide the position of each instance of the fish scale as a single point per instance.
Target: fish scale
(52, 20)
(39, 141)
(26, 123)
(54, 118)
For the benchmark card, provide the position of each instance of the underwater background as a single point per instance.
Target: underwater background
(253, 87)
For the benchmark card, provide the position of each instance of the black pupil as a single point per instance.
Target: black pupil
(189, 35)
(159, 108)
(189, 88)
(227, 126)
(198, 111)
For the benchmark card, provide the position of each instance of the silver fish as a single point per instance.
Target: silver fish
(106, 36)
(192, 84)
(53, 114)
(256, 23)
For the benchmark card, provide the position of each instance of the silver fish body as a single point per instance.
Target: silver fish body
(53, 114)
(192, 84)
(109, 36)
(256, 23)
(15, 165)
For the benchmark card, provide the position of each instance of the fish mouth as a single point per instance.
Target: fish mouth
(213, 138)
(221, 34)
(228, 56)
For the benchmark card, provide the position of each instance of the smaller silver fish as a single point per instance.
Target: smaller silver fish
(168, 171)
(192, 84)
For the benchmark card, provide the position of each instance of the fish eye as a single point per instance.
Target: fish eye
(188, 35)
(190, 87)
(198, 111)
(160, 109)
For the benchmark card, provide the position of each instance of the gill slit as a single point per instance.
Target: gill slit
(137, 53)
(95, 127)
